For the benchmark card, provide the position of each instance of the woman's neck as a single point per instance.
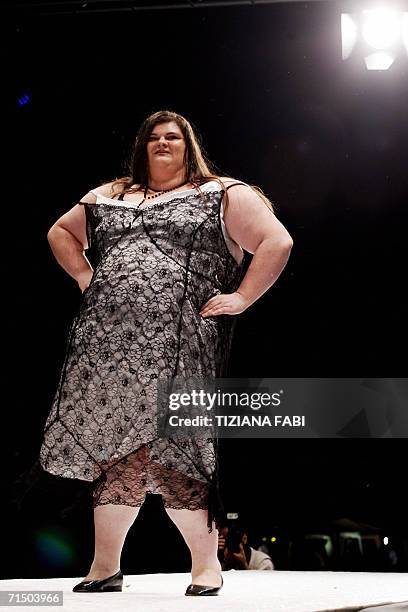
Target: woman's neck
(160, 182)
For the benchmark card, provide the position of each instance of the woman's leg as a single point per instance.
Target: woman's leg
(125, 481)
(112, 522)
(205, 567)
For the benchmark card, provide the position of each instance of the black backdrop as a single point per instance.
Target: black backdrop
(276, 107)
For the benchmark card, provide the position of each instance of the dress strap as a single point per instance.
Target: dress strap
(95, 192)
(233, 184)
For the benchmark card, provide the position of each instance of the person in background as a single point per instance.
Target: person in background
(234, 551)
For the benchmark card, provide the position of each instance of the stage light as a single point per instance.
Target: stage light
(232, 516)
(379, 61)
(381, 28)
(385, 541)
(348, 34)
(381, 33)
(404, 28)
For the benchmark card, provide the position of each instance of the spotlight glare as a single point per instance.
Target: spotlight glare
(381, 28)
(404, 30)
(348, 34)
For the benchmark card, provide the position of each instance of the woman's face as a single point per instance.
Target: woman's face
(166, 146)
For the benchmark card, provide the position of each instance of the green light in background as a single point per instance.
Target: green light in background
(53, 547)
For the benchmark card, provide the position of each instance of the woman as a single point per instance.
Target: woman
(167, 243)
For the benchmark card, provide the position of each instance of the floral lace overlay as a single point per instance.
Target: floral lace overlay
(155, 266)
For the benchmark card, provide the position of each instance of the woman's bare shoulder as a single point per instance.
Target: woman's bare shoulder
(228, 180)
(114, 187)
(105, 189)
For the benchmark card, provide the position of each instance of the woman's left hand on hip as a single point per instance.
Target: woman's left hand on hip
(224, 303)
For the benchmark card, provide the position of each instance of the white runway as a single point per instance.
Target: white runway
(243, 591)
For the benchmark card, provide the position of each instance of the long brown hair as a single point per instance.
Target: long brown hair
(199, 169)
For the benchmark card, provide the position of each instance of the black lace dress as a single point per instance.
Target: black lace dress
(155, 266)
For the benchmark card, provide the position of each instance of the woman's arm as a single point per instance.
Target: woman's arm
(68, 241)
(256, 229)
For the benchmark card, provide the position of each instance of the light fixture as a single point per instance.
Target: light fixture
(380, 33)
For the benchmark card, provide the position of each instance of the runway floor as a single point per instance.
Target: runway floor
(243, 591)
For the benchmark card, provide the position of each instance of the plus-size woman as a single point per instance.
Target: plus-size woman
(159, 302)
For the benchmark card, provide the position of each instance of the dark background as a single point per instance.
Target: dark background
(276, 107)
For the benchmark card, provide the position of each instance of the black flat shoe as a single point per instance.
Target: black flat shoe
(200, 589)
(112, 583)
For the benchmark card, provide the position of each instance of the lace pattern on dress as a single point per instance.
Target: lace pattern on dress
(138, 321)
